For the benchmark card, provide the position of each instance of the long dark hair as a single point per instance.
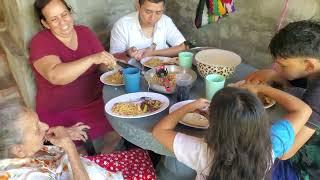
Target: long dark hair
(40, 4)
(238, 136)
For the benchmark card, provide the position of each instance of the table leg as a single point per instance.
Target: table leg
(169, 168)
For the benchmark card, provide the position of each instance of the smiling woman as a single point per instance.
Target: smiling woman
(66, 59)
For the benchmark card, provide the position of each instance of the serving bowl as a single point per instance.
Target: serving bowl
(217, 61)
(171, 69)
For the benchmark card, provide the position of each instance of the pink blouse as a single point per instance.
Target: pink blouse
(78, 101)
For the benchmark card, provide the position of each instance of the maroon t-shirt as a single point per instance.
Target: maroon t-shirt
(78, 101)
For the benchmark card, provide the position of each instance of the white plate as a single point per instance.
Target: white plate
(144, 60)
(109, 73)
(189, 116)
(134, 97)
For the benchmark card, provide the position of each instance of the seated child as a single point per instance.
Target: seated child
(240, 142)
(296, 53)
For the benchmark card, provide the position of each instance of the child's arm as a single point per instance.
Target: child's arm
(298, 114)
(164, 132)
(301, 138)
(266, 76)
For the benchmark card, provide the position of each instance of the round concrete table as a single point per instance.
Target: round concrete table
(138, 131)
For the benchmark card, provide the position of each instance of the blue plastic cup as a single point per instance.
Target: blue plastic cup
(131, 78)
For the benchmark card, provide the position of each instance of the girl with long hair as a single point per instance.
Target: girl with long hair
(241, 142)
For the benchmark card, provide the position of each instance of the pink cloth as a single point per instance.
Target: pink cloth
(78, 101)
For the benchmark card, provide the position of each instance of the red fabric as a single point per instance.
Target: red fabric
(211, 6)
(78, 101)
(134, 164)
(226, 1)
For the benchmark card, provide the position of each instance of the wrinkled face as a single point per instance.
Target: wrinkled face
(58, 19)
(33, 132)
(150, 13)
(291, 68)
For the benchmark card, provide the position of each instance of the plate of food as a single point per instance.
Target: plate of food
(197, 119)
(155, 61)
(137, 105)
(165, 82)
(112, 78)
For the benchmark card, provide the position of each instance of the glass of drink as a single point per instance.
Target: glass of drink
(183, 86)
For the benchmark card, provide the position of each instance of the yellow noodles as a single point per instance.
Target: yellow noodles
(153, 62)
(115, 78)
(127, 108)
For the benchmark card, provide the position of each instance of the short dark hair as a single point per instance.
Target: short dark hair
(40, 4)
(152, 1)
(297, 39)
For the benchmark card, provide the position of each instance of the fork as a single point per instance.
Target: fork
(143, 98)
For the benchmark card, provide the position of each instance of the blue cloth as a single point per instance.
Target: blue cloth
(282, 170)
(282, 137)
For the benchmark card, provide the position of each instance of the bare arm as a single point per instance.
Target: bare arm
(133, 52)
(78, 170)
(168, 52)
(58, 73)
(59, 137)
(164, 132)
(301, 138)
(266, 76)
(298, 112)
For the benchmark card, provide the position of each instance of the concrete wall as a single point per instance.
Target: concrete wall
(247, 32)
(20, 25)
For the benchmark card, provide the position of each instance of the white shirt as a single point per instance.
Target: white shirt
(127, 32)
(194, 153)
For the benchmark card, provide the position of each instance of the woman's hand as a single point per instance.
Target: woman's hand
(59, 136)
(104, 58)
(78, 132)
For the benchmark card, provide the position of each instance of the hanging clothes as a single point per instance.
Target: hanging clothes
(214, 10)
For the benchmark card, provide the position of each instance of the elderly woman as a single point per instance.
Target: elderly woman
(66, 59)
(23, 155)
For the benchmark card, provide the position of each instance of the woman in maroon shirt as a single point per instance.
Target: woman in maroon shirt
(66, 59)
